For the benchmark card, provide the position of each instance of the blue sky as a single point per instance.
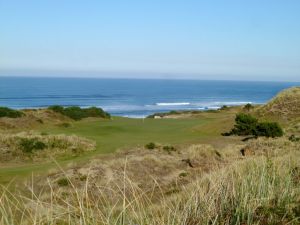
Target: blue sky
(241, 40)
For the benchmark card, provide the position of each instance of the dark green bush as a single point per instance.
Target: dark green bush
(77, 113)
(96, 112)
(169, 149)
(268, 129)
(150, 145)
(63, 182)
(7, 112)
(74, 112)
(248, 107)
(246, 124)
(28, 145)
(57, 108)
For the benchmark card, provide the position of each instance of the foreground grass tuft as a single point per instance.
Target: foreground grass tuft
(264, 189)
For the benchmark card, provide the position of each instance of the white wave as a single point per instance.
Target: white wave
(232, 103)
(172, 103)
(213, 107)
(135, 116)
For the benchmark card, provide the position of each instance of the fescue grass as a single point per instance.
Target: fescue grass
(256, 190)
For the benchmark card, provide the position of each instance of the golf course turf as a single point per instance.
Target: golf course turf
(125, 133)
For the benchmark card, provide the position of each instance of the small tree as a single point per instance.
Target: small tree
(245, 124)
(248, 107)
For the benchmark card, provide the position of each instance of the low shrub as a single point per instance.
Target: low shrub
(62, 182)
(268, 129)
(150, 145)
(11, 113)
(248, 107)
(57, 108)
(77, 113)
(183, 174)
(245, 124)
(169, 148)
(293, 138)
(28, 145)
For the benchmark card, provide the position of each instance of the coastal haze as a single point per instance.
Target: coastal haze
(133, 97)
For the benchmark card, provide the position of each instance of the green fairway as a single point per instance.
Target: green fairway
(123, 133)
(111, 135)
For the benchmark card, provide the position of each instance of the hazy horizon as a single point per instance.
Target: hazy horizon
(216, 40)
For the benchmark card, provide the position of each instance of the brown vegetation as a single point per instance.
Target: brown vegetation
(26, 146)
(32, 118)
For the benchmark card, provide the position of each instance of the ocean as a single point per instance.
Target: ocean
(134, 97)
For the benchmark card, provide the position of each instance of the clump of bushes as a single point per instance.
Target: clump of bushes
(150, 145)
(268, 129)
(62, 182)
(77, 113)
(245, 124)
(11, 113)
(169, 148)
(28, 145)
(293, 138)
(248, 107)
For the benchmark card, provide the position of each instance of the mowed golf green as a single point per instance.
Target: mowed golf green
(124, 133)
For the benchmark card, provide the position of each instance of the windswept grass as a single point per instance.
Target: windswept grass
(26, 146)
(256, 190)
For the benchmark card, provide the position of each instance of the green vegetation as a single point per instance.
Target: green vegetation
(249, 125)
(269, 129)
(11, 113)
(169, 148)
(245, 124)
(294, 138)
(248, 107)
(28, 145)
(263, 189)
(63, 182)
(77, 113)
(150, 145)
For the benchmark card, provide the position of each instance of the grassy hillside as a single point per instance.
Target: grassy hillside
(285, 108)
(285, 105)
